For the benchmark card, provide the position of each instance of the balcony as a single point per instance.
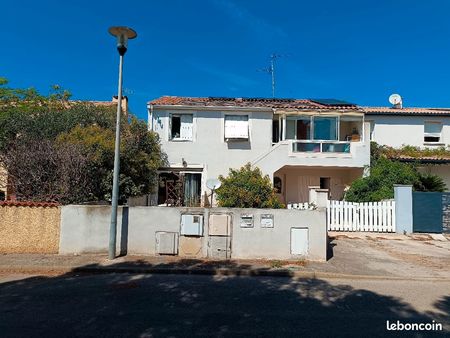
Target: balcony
(306, 146)
(314, 153)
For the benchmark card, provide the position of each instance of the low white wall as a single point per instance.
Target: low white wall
(85, 229)
(275, 243)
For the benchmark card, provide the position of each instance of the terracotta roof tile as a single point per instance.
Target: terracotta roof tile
(246, 102)
(28, 204)
(406, 111)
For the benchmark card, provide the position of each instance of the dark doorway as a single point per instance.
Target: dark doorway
(275, 131)
(192, 189)
(169, 189)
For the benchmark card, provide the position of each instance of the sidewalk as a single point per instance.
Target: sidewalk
(356, 256)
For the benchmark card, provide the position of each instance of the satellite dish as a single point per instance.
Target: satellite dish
(395, 99)
(213, 183)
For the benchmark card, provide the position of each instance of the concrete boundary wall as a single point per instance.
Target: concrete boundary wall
(29, 228)
(85, 229)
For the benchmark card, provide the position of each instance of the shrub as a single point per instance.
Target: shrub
(384, 173)
(247, 188)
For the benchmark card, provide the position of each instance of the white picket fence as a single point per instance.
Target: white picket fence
(370, 216)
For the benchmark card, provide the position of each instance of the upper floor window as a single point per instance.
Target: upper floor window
(236, 127)
(325, 128)
(432, 132)
(298, 127)
(181, 127)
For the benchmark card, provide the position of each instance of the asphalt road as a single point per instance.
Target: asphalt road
(119, 305)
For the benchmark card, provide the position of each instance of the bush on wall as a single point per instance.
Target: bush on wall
(384, 173)
(247, 188)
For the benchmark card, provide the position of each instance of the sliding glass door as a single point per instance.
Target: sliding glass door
(311, 128)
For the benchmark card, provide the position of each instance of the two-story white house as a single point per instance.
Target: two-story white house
(418, 127)
(298, 143)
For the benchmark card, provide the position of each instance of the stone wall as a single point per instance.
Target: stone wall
(29, 227)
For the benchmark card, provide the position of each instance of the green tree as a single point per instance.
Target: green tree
(75, 143)
(247, 188)
(384, 173)
(431, 182)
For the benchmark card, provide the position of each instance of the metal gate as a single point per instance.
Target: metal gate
(431, 212)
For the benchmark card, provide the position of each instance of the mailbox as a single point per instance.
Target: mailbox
(246, 221)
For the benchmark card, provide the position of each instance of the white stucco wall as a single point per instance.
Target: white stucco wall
(396, 131)
(295, 181)
(209, 152)
(85, 229)
(208, 148)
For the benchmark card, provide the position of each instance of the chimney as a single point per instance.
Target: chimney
(124, 103)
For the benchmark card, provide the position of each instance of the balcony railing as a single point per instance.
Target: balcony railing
(306, 146)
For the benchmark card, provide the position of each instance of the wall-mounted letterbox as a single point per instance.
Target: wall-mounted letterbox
(267, 221)
(192, 225)
(246, 221)
(219, 225)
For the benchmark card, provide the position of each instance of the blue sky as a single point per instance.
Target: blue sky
(359, 51)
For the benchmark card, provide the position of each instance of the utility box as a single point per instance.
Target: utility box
(299, 241)
(192, 225)
(246, 221)
(219, 225)
(167, 243)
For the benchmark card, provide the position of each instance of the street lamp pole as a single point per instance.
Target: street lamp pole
(122, 34)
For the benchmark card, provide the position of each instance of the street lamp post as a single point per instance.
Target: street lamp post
(123, 34)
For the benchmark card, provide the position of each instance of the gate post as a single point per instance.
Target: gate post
(403, 208)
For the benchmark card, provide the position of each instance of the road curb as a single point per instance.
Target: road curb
(208, 272)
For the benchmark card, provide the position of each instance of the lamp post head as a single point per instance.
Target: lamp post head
(123, 34)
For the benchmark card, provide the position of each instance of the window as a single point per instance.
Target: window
(298, 128)
(432, 132)
(181, 127)
(236, 127)
(350, 128)
(325, 183)
(325, 128)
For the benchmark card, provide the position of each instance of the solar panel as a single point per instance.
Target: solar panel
(333, 102)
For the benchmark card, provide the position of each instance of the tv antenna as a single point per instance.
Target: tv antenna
(271, 69)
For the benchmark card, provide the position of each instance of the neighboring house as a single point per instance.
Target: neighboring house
(298, 143)
(418, 127)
